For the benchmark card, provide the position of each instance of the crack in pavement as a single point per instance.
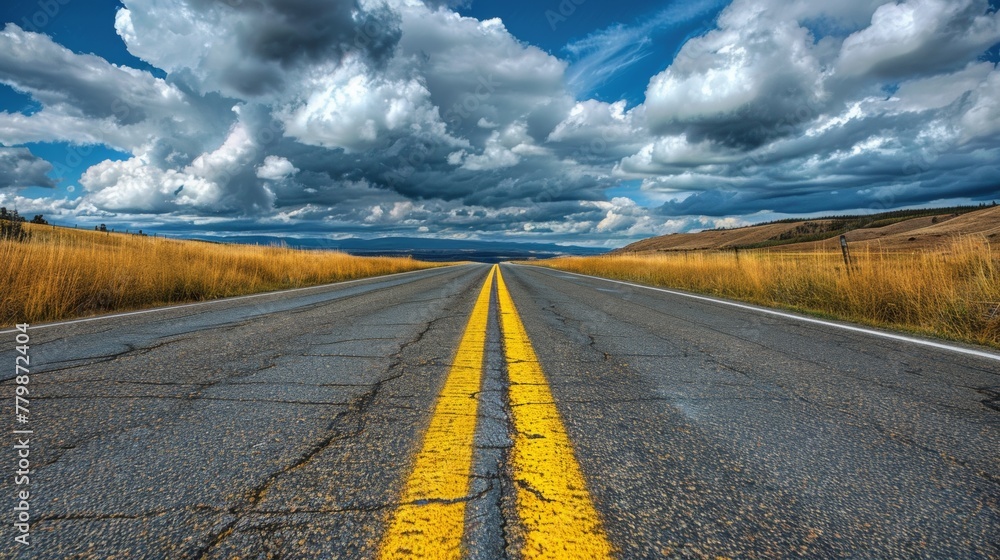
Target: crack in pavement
(197, 384)
(186, 403)
(135, 516)
(885, 432)
(365, 356)
(374, 508)
(355, 414)
(525, 485)
(345, 424)
(130, 350)
(489, 532)
(187, 397)
(341, 341)
(335, 433)
(593, 346)
(992, 394)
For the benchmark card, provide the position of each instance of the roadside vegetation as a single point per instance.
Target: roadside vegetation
(952, 292)
(49, 273)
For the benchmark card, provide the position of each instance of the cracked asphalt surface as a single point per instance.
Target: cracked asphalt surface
(284, 426)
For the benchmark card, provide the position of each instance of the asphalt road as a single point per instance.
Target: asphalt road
(337, 422)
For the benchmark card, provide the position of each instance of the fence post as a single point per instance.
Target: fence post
(846, 251)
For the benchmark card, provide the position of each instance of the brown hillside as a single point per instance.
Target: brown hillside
(715, 239)
(915, 233)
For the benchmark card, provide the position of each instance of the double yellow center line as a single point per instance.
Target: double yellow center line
(556, 514)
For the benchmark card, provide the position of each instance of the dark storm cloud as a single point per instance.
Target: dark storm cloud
(732, 203)
(20, 168)
(290, 31)
(875, 186)
(296, 32)
(782, 109)
(420, 172)
(256, 44)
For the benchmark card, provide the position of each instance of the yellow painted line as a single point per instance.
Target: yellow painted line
(556, 512)
(431, 521)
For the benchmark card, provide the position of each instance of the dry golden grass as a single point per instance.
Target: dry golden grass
(952, 292)
(62, 273)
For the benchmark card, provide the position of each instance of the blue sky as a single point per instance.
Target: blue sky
(627, 40)
(579, 121)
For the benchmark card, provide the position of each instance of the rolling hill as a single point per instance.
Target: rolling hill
(893, 231)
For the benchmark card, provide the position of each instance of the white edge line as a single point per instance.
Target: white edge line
(220, 300)
(871, 332)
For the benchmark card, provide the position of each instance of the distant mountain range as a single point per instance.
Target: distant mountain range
(422, 248)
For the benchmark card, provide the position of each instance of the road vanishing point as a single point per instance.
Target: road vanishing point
(510, 411)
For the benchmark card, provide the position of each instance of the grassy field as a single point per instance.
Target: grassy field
(952, 292)
(61, 273)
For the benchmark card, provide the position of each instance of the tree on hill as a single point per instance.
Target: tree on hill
(12, 226)
(39, 219)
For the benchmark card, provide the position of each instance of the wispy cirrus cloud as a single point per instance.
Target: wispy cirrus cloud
(603, 54)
